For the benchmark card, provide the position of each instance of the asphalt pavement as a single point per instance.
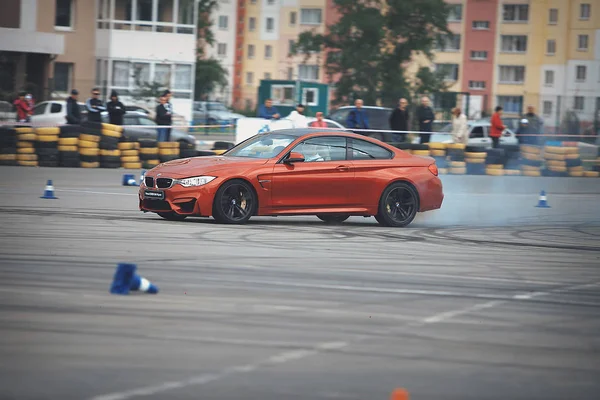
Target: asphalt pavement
(488, 298)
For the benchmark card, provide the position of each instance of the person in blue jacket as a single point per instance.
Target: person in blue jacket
(357, 118)
(268, 111)
(94, 106)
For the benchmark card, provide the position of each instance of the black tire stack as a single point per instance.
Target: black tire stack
(186, 150)
(148, 153)
(456, 158)
(68, 146)
(475, 161)
(47, 146)
(531, 160)
(495, 161)
(168, 151)
(555, 161)
(110, 155)
(512, 163)
(26, 144)
(439, 154)
(8, 146)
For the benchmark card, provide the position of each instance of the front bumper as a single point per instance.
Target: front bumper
(192, 201)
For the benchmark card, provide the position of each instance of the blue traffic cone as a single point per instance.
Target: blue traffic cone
(129, 180)
(49, 191)
(543, 203)
(125, 279)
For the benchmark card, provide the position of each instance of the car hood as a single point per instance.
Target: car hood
(195, 166)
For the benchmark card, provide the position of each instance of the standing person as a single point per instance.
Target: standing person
(169, 107)
(497, 127)
(94, 106)
(73, 112)
(268, 111)
(23, 108)
(29, 99)
(425, 116)
(460, 128)
(164, 118)
(399, 119)
(533, 126)
(357, 118)
(298, 118)
(116, 109)
(319, 123)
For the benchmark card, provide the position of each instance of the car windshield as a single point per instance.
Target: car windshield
(262, 146)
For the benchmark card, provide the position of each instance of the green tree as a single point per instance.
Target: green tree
(368, 47)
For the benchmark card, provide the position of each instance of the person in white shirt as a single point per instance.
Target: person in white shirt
(298, 118)
(460, 129)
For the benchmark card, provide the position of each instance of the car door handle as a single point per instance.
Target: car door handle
(342, 168)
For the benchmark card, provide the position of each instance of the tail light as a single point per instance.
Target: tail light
(433, 169)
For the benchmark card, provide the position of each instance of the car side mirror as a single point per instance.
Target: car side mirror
(294, 157)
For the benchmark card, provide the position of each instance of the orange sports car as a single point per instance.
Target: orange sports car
(328, 173)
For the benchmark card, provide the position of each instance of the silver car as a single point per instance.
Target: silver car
(213, 113)
(479, 135)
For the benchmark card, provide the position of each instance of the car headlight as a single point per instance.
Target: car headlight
(195, 181)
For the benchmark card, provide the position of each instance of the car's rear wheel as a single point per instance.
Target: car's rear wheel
(333, 218)
(172, 216)
(398, 205)
(234, 202)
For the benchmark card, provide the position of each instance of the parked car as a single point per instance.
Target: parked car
(7, 112)
(53, 112)
(478, 135)
(379, 119)
(330, 123)
(213, 113)
(151, 132)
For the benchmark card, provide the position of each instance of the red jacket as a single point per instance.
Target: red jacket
(497, 126)
(23, 109)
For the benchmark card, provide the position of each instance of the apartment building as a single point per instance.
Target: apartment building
(224, 19)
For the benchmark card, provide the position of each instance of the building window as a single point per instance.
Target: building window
(223, 22)
(580, 73)
(121, 74)
(249, 78)
(308, 72)
(63, 73)
(162, 74)
(479, 55)
(511, 104)
(144, 10)
(252, 24)
(553, 16)
(141, 73)
(311, 16)
(455, 12)
(270, 24)
(549, 78)
(512, 74)
(481, 25)
(551, 46)
(183, 77)
(585, 11)
(516, 13)
(267, 75)
(513, 43)
(186, 16)
(547, 108)
(449, 43)
(582, 42)
(477, 85)
(450, 71)
(579, 103)
(222, 49)
(268, 51)
(293, 16)
(64, 14)
(251, 50)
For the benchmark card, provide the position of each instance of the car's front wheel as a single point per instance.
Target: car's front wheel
(234, 202)
(333, 218)
(172, 216)
(398, 205)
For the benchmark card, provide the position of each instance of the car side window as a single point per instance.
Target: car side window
(477, 132)
(332, 148)
(55, 108)
(340, 116)
(40, 109)
(363, 150)
(128, 120)
(146, 121)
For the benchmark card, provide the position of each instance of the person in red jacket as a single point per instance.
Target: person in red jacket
(22, 107)
(497, 127)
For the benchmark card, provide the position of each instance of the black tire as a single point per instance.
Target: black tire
(333, 218)
(220, 145)
(398, 205)
(172, 216)
(235, 202)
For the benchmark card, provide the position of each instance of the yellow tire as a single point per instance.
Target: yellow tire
(415, 152)
(219, 152)
(572, 150)
(47, 138)
(149, 150)
(591, 174)
(168, 145)
(130, 159)
(110, 153)
(532, 173)
(89, 151)
(438, 153)
(130, 153)
(495, 166)
(27, 157)
(555, 156)
(556, 163)
(111, 127)
(443, 171)
(23, 131)
(472, 155)
(89, 164)
(531, 156)
(555, 150)
(128, 145)
(572, 156)
(71, 141)
(132, 165)
(512, 172)
(458, 164)
(85, 144)
(437, 146)
(525, 148)
(27, 163)
(458, 171)
(89, 138)
(26, 150)
(8, 157)
(556, 169)
(109, 133)
(153, 163)
(475, 160)
(530, 168)
(576, 169)
(576, 173)
(494, 172)
(68, 148)
(459, 146)
(27, 145)
(168, 152)
(48, 131)
(27, 137)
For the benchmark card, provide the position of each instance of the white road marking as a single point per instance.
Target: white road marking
(455, 313)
